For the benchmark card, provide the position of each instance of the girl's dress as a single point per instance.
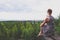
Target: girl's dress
(48, 29)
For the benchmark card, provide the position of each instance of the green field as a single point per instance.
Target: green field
(23, 30)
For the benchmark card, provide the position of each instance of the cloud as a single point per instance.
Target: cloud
(14, 6)
(27, 5)
(27, 9)
(14, 16)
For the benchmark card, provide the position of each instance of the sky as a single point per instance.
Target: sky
(28, 9)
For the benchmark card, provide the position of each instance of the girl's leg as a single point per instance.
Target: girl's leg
(41, 32)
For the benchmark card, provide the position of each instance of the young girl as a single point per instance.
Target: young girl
(47, 26)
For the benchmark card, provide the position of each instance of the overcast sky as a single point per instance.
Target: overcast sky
(27, 9)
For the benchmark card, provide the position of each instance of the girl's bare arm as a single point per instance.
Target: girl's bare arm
(45, 21)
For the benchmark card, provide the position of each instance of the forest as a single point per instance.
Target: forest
(23, 30)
